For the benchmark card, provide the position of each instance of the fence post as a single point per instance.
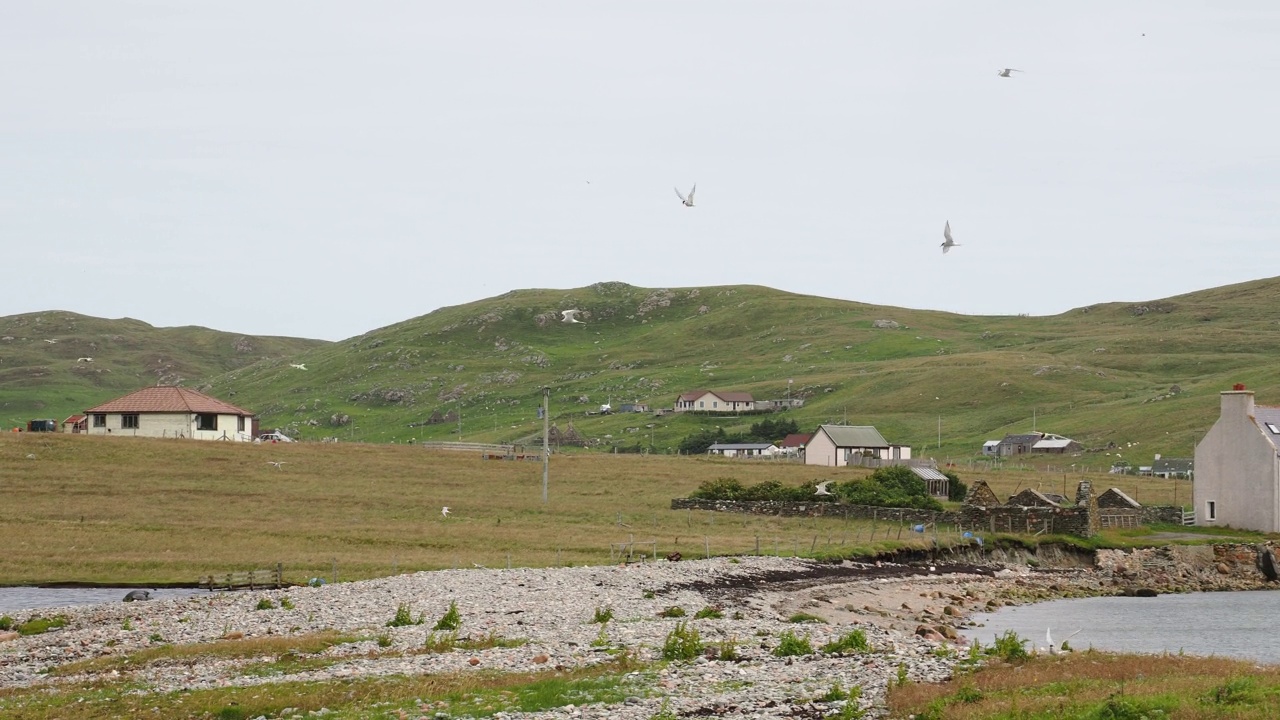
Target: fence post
(707, 543)
(757, 545)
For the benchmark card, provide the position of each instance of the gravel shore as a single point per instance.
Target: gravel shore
(907, 613)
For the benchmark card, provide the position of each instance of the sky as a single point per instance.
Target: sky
(321, 169)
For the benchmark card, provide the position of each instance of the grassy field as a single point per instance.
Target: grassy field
(1102, 374)
(145, 510)
(1098, 686)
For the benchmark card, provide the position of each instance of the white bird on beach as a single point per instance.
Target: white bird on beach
(1056, 649)
(1005, 72)
(947, 242)
(687, 201)
(299, 366)
(84, 359)
(275, 464)
(570, 316)
(822, 488)
(51, 342)
(444, 511)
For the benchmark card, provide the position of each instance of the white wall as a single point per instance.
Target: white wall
(169, 425)
(1236, 469)
(822, 451)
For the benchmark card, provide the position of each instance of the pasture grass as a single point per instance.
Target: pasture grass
(1090, 685)
(474, 693)
(102, 509)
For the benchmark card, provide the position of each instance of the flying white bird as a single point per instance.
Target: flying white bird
(569, 316)
(444, 511)
(1005, 72)
(275, 464)
(948, 243)
(300, 366)
(688, 201)
(822, 488)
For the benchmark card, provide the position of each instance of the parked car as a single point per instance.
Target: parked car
(273, 437)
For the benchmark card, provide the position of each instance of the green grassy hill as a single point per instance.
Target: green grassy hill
(41, 379)
(1099, 374)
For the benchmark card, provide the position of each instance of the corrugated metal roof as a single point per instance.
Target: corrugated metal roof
(1053, 443)
(741, 446)
(925, 473)
(854, 436)
(168, 400)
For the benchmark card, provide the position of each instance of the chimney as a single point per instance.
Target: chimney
(1237, 402)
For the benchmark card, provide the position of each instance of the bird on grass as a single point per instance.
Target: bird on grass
(444, 511)
(1006, 72)
(275, 464)
(822, 488)
(570, 316)
(1057, 649)
(687, 201)
(299, 366)
(947, 242)
(52, 342)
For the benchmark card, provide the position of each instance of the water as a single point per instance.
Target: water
(13, 599)
(1231, 624)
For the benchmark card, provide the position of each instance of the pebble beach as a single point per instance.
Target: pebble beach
(911, 616)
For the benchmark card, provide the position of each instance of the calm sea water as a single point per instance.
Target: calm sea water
(1232, 624)
(13, 599)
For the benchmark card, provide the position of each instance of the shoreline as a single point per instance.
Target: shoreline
(906, 612)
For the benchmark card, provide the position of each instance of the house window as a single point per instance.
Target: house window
(702, 403)
(99, 419)
(129, 421)
(206, 421)
(715, 404)
(240, 423)
(1210, 510)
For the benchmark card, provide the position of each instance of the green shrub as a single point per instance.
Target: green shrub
(969, 694)
(266, 604)
(709, 612)
(403, 617)
(902, 675)
(850, 642)
(1234, 691)
(674, 611)
(286, 603)
(451, 620)
(806, 618)
(682, 643)
(648, 595)
(126, 625)
(836, 693)
(727, 650)
(956, 490)
(384, 640)
(851, 711)
(38, 625)
(6, 622)
(602, 615)
(440, 644)
(1008, 647)
(790, 645)
(156, 638)
(895, 486)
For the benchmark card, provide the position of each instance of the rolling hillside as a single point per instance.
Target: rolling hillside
(43, 379)
(1101, 374)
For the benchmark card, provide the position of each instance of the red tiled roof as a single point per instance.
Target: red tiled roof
(73, 420)
(690, 396)
(796, 440)
(168, 400)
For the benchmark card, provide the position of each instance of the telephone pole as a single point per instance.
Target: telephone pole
(546, 445)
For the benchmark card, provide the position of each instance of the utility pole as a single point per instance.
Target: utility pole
(939, 431)
(546, 445)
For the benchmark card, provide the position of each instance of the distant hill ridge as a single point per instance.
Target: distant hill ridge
(1114, 373)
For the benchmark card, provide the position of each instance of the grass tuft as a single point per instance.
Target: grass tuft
(682, 643)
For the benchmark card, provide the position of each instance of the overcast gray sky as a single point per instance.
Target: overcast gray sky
(322, 169)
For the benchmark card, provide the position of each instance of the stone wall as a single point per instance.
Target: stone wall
(1184, 568)
(783, 508)
(1161, 514)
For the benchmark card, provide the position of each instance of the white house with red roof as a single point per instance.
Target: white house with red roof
(172, 412)
(1237, 466)
(714, 401)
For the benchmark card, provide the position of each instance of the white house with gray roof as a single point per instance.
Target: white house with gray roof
(743, 449)
(1237, 466)
(831, 445)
